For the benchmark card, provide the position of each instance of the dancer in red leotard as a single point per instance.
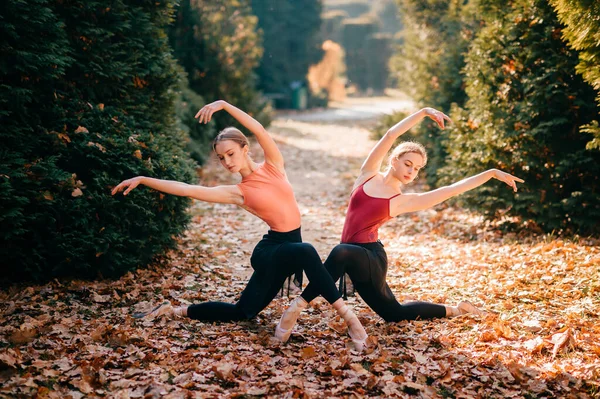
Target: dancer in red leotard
(376, 198)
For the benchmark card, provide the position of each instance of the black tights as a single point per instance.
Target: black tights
(276, 257)
(366, 264)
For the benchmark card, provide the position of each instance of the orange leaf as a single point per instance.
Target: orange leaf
(308, 352)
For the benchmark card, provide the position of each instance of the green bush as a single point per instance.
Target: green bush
(523, 115)
(199, 135)
(429, 62)
(581, 32)
(87, 94)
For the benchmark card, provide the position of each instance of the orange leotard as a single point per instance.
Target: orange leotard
(269, 195)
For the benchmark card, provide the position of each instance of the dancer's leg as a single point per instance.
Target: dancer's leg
(343, 257)
(321, 283)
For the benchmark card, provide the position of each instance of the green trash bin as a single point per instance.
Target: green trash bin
(299, 97)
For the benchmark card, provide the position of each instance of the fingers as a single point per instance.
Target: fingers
(205, 114)
(440, 118)
(118, 188)
(511, 182)
(121, 186)
(200, 114)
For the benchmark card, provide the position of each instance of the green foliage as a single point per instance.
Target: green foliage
(86, 101)
(523, 115)
(378, 50)
(388, 14)
(582, 31)
(354, 35)
(332, 25)
(218, 46)
(428, 66)
(291, 42)
(199, 135)
(389, 120)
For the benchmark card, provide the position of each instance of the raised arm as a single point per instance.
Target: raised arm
(272, 153)
(417, 202)
(373, 162)
(220, 194)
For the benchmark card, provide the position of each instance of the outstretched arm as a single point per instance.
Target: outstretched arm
(220, 194)
(373, 162)
(417, 202)
(272, 153)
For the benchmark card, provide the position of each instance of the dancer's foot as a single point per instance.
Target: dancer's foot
(164, 309)
(467, 307)
(462, 308)
(355, 329)
(288, 319)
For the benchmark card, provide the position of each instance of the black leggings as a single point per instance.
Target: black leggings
(366, 264)
(276, 257)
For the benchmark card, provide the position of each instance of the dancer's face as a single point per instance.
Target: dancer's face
(406, 167)
(232, 155)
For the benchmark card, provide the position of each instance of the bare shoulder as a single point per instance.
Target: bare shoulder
(364, 177)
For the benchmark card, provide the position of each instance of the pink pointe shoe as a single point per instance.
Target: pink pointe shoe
(291, 314)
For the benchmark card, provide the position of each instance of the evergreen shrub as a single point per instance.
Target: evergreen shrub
(86, 100)
(525, 106)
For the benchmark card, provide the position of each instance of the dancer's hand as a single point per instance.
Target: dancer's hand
(205, 114)
(127, 185)
(507, 178)
(437, 116)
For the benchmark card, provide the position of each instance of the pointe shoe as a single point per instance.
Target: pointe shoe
(282, 335)
(359, 344)
(291, 313)
(351, 320)
(467, 307)
(164, 309)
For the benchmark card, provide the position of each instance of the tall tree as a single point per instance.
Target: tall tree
(291, 41)
(218, 44)
(525, 105)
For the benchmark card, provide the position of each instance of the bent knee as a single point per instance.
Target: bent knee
(305, 249)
